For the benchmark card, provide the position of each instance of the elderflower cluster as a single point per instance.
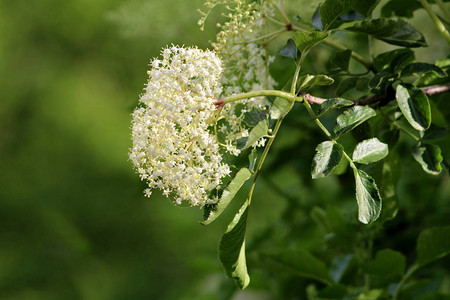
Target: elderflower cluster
(246, 63)
(173, 149)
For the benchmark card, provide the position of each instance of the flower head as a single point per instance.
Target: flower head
(173, 149)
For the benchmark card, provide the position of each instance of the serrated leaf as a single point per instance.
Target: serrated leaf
(228, 194)
(395, 32)
(257, 133)
(370, 151)
(386, 263)
(352, 118)
(339, 61)
(432, 244)
(307, 81)
(414, 104)
(305, 41)
(429, 157)
(298, 262)
(289, 50)
(232, 248)
(388, 61)
(328, 156)
(332, 104)
(420, 67)
(368, 197)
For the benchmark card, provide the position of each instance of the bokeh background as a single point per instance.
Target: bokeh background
(74, 223)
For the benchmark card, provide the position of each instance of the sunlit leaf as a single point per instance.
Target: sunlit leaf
(213, 212)
(256, 133)
(332, 104)
(370, 151)
(352, 118)
(307, 81)
(429, 157)
(327, 157)
(414, 104)
(232, 249)
(367, 196)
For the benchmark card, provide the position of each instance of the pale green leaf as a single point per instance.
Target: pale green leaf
(212, 212)
(328, 156)
(429, 157)
(352, 118)
(367, 196)
(307, 81)
(257, 133)
(232, 249)
(369, 151)
(414, 104)
(432, 244)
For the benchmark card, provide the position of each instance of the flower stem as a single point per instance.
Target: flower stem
(275, 93)
(439, 25)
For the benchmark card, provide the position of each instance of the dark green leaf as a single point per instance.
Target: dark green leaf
(401, 8)
(257, 133)
(429, 157)
(420, 67)
(289, 50)
(305, 41)
(228, 194)
(332, 104)
(339, 61)
(252, 160)
(328, 156)
(298, 262)
(369, 151)
(432, 244)
(387, 262)
(254, 116)
(339, 266)
(362, 84)
(367, 196)
(388, 61)
(307, 81)
(414, 104)
(434, 132)
(336, 291)
(352, 118)
(232, 249)
(395, 32)
(365, 7)
(345, 85)
(330, 10)
(381, 81)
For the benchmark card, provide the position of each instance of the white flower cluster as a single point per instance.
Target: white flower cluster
(173, 149)
(246, 62)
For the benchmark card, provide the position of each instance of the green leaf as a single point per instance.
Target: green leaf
(395, 32)
(330, 10)
(345, 85)
(332, 104)
(370, 151)
(367, 196)
(390, 175)
(401, 8)
(420, 67)
(307, 81)
(256, 133)
(305, 41)
(289, 50)
(228, 194)
(365, 7)
(298, 262)
(339, 266)
(432, 244)
(232, 248)
(388, 61)
(386, 263)
(339, 61)
(429, 157)
(352, 118)
(254, 116)
(414, 104)
(328, 156)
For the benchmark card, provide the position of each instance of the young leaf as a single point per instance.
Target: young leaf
(298, 262)
(352, 118)
(432, 244)
(256, 133)
(414, 104)
(307, 81)
(420, 67)
(328, 156)
(305, 41)
(289, 50)
(332, 104)
(429, 157)
(228, 194)
(367, 196)
(395, 32)
(387, 262)
(370, 151)
(232, 248)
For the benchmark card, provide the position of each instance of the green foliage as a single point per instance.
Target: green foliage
(369, 151)
(415, 106)
(432, 244)
(353, 117)
(328, 156)
(367, 196)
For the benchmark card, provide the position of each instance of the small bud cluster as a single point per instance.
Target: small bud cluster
(173, 149)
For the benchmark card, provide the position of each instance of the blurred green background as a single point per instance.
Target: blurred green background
(73, 220)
